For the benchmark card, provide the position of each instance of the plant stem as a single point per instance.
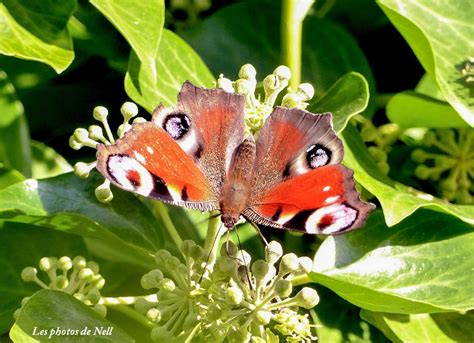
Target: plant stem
(300, 280)
(215, 230)
(160, 209)
(130, 312)
(292, 16)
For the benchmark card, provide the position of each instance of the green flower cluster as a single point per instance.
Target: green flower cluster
(451, 162)
(77, 277)
(381, 139)
(257, 110)
(230, 299)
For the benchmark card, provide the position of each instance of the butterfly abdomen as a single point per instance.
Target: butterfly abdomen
(236, 190)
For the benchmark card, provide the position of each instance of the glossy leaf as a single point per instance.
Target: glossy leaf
(68, 203)
(23, 245)
(411, 109)
(9, 177)
(398, 200)
(141, 23)
(36, 30)
(176, 62)
(435, 327)
(440, 34)
(347, 97)
(64, 312)
(47, 162)
(15, 152)
(418, 266)
(339, 321)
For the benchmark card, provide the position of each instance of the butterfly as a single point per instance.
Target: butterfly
(197, 155)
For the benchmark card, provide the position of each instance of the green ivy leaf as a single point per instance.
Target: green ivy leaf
(440, 35)
(418, 266)
(141, 23)
(15, 152)
(347, 97)
(338, 321)
(36, 30)
(63, 312)
(47, 162)
(23, 245)
(176, 62)
(435, 327)
(9, 177)
(68, 203)
(398, 200)
(411, 109)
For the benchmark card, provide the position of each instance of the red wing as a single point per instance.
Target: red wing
(208, 124)
(322, 201)
(149, 162)
(293, 142)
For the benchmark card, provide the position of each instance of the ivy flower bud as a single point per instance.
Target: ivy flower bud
(74, 144)
(260, 269)
(306, 265)
(161, 256)
(29, 274)
(98, 281)
(247, 71)
(103, 192)
(283, 288)
(306, 91)
(289, 263)
(225, 84)
(79, 262)
(153, 315)
(166, 285)
(273, 252)
(226, 265)
(93, 296)
(47, 263)
(94, 266)
(65, 263)
(234, 295)
(186, 247)
(86, 275)
(307, 298)
(61, 282)
(96, 133)
(100, 113)
(129, 110)
(142, 305)
(229, 249)
(282, 72)
(83, 170)
(263, 317)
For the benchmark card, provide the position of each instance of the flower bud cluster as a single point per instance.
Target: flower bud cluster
(94, 135)
(449, 152)
(77, 277)
(231, 299)
(257, 110)
(468, 72)
(381, 139)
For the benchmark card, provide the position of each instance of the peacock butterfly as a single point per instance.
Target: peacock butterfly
(197, 155)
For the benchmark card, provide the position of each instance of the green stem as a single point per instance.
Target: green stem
(325, 8)
(161, 210)
(215, 230)
(131, 313)
(292, 16)
(300, 280)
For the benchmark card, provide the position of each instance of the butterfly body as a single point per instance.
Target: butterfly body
(197, 155)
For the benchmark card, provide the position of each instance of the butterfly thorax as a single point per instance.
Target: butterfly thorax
(236, 190)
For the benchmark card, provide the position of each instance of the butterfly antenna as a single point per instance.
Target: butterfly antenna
(243, 259)
(255, 226)
(210, 251)
(208, 218)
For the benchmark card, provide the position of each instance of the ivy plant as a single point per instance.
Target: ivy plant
(84, 261)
